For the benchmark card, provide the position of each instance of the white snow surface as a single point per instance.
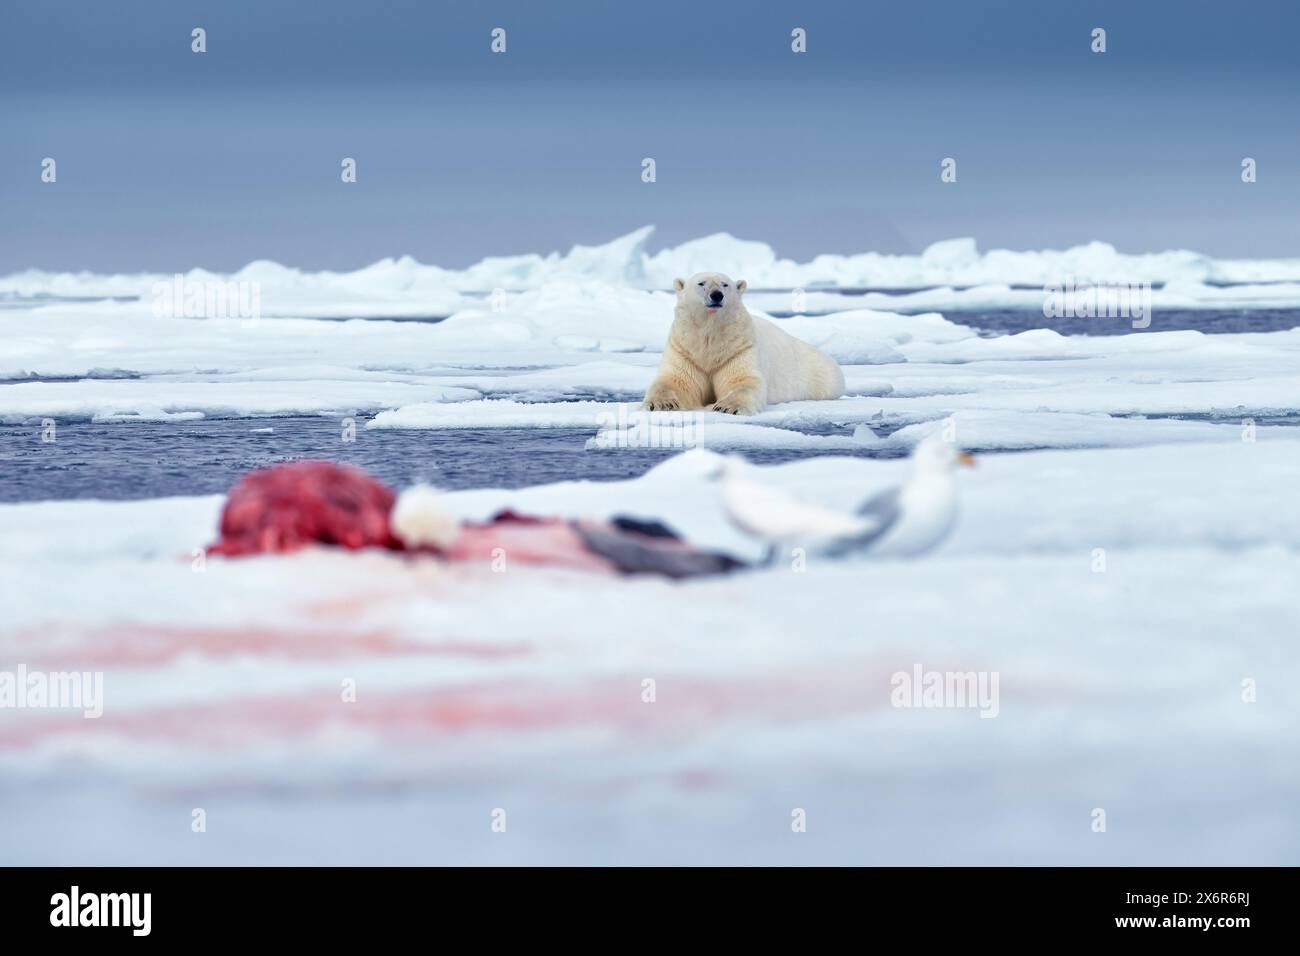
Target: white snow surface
(522, 689)
(1126, 557)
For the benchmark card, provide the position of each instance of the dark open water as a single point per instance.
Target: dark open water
(119, 460)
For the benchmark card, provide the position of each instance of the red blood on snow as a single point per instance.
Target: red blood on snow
(287, 507)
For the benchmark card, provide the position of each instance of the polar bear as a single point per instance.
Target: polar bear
(722, 358)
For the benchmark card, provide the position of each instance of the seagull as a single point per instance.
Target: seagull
(904, 520)
(762, 511)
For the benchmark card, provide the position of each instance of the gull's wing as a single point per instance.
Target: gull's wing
(768, 513)
(882, 511)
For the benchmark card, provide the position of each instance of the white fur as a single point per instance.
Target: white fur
(720, 357)
(418, 518)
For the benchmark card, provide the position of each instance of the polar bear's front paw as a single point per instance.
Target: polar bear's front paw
(662, 404)
(733, 408)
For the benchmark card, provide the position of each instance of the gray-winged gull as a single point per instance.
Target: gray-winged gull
(904, 520)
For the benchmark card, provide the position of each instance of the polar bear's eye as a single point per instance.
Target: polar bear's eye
(699, 283)
(725, 286)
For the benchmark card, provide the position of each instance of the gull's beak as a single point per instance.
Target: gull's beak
(966, 458)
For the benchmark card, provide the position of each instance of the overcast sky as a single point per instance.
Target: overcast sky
(169, 159)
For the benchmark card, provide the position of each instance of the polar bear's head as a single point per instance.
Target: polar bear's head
(710, 291)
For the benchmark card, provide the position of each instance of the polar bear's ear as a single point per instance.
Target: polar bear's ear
(742, 285)
(679, 284)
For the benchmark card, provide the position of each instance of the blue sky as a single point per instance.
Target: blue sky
(169, 159)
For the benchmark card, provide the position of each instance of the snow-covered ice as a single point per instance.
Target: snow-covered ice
(625, 261)
(522, 690)
(1124, 572)
(522, 367)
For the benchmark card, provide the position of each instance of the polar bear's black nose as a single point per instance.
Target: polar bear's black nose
(715, 296)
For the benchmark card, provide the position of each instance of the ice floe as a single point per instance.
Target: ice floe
(569, 353)
(1157, 526)
(405, 287)
(1076, 577)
